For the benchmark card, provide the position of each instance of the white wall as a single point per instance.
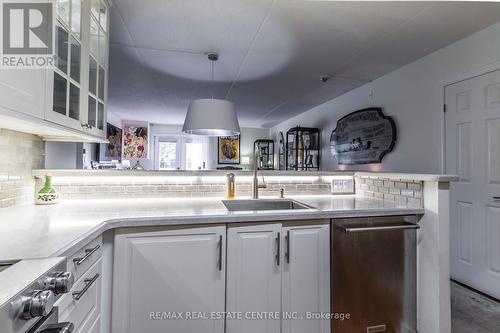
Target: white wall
(114, 119)
(413, 96)
(248, 136)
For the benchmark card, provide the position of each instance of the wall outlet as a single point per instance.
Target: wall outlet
(343, 186)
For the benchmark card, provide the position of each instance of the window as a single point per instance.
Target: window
(194, 155)
(167, 154)
(180, 152)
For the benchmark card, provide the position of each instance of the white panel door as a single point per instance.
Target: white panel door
(254, 278)
(165, 280)
(306, 278)
(23, 90)
(473, 152)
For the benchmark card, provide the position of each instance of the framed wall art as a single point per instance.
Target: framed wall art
(113, 149)
(363, 137)
(135, 139)
(229, 149)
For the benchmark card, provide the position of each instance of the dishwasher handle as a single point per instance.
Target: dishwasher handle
(65, 327)
(406, 226)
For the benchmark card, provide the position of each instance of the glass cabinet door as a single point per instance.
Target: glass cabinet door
(98, 66)
(65, 108)
(79, 79)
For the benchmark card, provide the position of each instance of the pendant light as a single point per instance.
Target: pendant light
(211, 116)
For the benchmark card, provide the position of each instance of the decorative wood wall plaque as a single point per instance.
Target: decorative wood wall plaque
(362, 137)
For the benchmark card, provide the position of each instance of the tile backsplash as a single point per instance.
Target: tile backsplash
(407, 193)
(128, 184)
(20, 153)
(196, 187)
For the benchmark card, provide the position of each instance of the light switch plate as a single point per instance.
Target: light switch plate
(343, 186)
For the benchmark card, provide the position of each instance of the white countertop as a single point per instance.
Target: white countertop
(266, 173)
(30, 231)
(410, 176)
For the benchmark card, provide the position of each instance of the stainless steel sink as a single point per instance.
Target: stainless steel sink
(263, 204)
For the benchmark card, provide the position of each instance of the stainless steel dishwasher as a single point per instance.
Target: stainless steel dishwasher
(374, 263)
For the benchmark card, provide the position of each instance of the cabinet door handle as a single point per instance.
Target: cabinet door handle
(287, 253)
(219, 262)
(496, 198)
(278, 252)
(88, 283)
(89, 252)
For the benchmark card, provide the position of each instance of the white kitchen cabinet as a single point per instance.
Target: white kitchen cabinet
(91, 327)
(305, 277)
(77, 86)
(272, 270)
(23, 91)
(254, 264)
(69, 101)
(82, 305)
(96, 68)
(165, 273)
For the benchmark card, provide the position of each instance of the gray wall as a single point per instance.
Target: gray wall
(413, 95)
(60, 155)
(248, 137)
(69, 155)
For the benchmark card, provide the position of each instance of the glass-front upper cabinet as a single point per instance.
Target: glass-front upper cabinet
(78, 84)
(98, 65)
(64, 106)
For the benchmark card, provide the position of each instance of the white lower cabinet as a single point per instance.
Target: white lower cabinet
(90, 326)
(94, 328)
(254, 278)
(306, 278)
(284, 269)
(82, 305)
(277, 273)
(162, 277)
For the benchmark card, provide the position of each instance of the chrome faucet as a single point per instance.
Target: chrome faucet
(255, 189)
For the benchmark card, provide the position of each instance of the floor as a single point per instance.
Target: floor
(472, 312)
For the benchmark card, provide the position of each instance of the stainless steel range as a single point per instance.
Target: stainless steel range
(28, 291)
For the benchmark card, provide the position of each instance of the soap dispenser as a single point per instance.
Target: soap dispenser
(231, 189)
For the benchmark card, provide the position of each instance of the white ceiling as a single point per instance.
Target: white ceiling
(272, 52)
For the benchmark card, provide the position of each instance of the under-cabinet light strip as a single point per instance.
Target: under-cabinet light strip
(89, 180)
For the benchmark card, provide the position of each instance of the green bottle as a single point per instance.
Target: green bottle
(47, 194)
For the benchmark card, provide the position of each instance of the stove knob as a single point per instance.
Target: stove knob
(39, 304)
(59, 283)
